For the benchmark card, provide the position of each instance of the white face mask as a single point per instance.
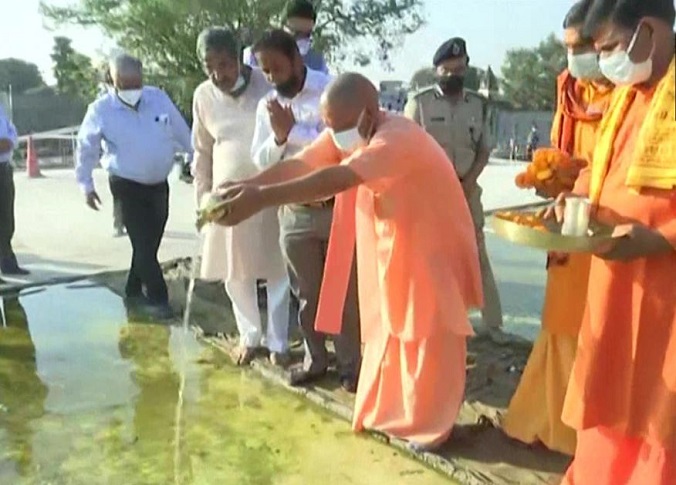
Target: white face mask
(238, 84)
(584, 66)
(130, 97)
(622, 71)
(348, 140)
(304, 46)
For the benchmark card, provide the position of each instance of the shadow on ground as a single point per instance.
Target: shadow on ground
(46, 271)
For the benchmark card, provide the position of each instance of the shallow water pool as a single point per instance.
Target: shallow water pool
(89, 397)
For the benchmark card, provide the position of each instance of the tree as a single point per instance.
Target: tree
(21, 75)
(163, 32)
(75, 75)
(529, 75)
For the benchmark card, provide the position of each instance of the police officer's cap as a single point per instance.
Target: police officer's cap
(451, 49)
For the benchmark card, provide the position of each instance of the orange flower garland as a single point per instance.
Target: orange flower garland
(550, 173)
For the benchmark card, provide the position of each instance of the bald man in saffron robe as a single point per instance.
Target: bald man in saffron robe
(400, 201)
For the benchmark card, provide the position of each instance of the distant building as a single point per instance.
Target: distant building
(393, 95)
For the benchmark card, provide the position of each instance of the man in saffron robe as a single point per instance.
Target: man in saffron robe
(417, 260)
(622, 394)
(534, 413)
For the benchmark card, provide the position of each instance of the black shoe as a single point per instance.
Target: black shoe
(135, 301)
(349, 384)
(157, 311)
(301, 377)
(10, 267)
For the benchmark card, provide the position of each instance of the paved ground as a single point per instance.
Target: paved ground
(57, 235)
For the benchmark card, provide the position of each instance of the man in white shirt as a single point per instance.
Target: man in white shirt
(8, 142)
(138, 128)
(224, 116)
(287, 120)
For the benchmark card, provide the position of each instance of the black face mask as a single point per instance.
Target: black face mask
(451, 85)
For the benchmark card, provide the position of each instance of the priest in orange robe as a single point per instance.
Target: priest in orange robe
(622, 394)
(534, 413)
(401, 202)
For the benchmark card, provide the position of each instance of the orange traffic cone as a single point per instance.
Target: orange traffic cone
(32, 163)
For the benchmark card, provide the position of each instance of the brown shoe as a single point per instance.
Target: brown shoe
(280, 359)
(244, 356)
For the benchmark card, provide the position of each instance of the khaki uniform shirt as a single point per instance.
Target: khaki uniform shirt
(461, 128)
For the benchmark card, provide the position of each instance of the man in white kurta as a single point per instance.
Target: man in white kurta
(224, 110)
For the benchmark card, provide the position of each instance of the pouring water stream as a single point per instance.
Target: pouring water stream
(194, 274)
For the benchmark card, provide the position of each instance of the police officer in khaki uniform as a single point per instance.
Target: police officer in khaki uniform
(457, 119)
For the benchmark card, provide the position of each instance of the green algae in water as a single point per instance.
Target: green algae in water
(87, 397)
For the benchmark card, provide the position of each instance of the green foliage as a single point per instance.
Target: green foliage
(75, 75)
(21, 75)
(163, 32)
(529, 75)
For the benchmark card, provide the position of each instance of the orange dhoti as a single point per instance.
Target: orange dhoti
(534, 413)
(604, 456)
(393, 399)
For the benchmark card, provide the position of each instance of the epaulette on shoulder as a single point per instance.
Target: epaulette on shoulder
(474, 94)
(427, 90)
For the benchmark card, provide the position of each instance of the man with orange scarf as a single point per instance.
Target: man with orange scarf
(621, 398)
(534, 414)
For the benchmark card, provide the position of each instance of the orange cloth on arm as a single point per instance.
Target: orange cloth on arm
(338, 265)
(534, 413)
(418, 275)
(624, 377)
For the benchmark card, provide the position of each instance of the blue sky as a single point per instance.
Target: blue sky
(491, 27)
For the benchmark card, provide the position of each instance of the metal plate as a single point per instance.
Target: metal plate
(551, 239)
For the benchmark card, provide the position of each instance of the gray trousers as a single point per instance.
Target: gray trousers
(492, 310)
(304, 234)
